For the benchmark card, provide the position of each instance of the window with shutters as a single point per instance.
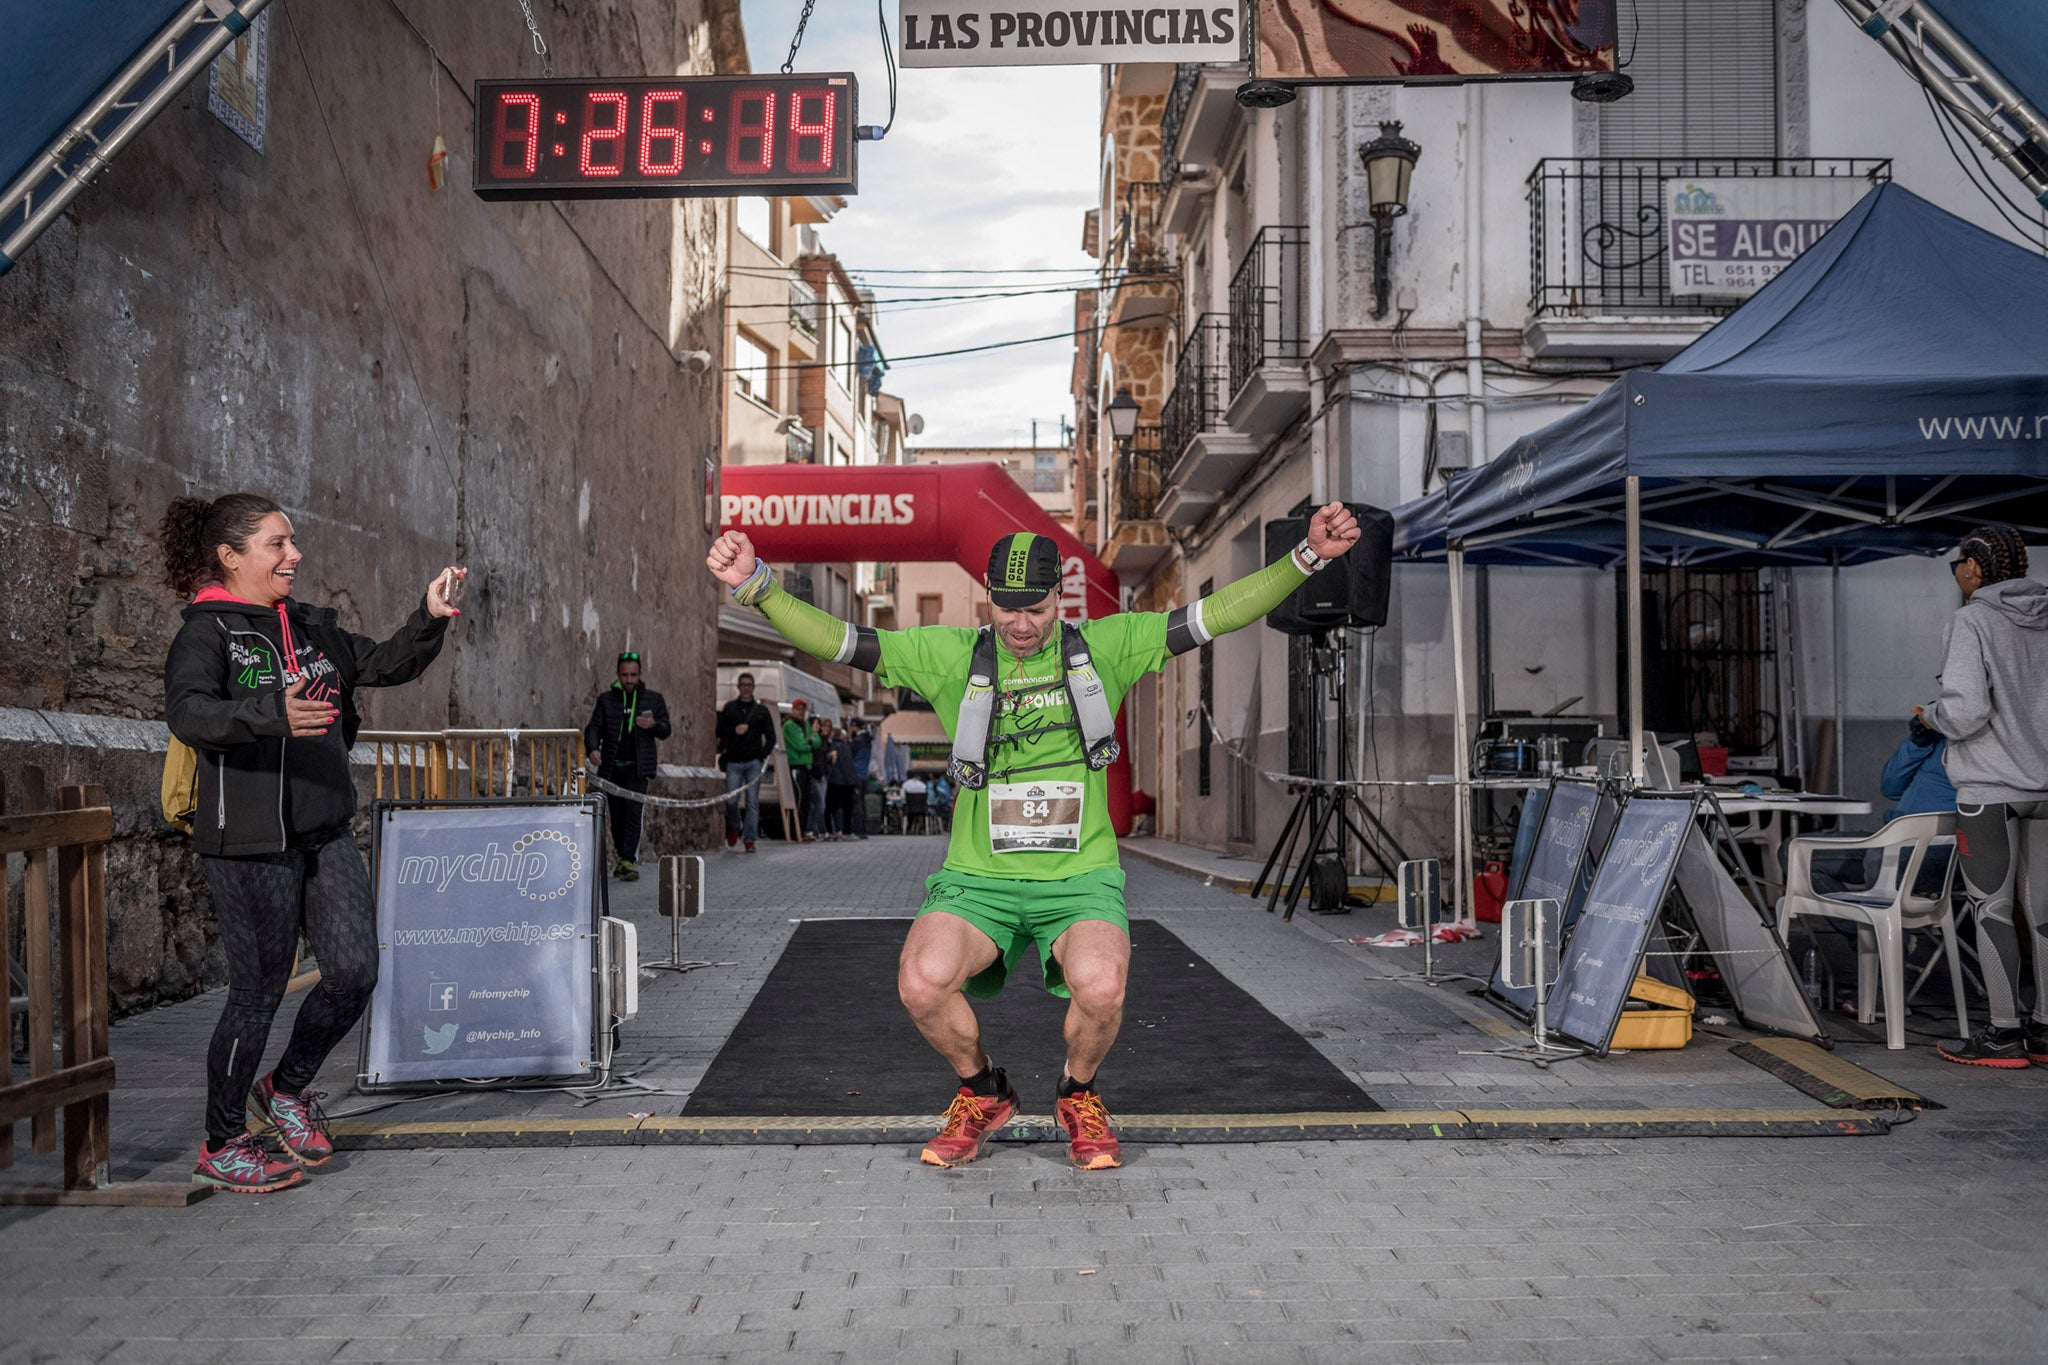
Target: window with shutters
(1706, 74)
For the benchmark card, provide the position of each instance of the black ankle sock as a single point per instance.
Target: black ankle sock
(987, 1081)
(1069, 1087)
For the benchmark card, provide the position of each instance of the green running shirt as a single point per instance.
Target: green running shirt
(935, 660)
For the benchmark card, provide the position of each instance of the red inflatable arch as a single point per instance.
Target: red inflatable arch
(800, 513)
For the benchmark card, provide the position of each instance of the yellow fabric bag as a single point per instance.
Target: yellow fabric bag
(180, 794)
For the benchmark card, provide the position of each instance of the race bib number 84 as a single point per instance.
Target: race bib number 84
(1034, 817)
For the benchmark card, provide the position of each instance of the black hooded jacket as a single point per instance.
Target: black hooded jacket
(612, 720)
(260, 786)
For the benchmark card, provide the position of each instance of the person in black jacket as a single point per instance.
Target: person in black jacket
(262, 688)
(623, 728)
(746, 736)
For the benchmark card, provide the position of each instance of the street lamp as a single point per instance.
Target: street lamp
(1389, 161)
(1123, 416)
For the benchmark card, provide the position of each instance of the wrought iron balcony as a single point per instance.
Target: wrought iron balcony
(1267, 322)
(1597, 245)
(1140, 476)
(803, 306)
(1138, 246)
(1199, 395)
(798, 447)
(1187, 77)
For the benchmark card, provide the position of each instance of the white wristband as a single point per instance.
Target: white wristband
(1307, 560)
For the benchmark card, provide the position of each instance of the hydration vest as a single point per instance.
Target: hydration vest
(973, 733)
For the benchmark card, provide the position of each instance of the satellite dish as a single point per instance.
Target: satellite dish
(916, 424)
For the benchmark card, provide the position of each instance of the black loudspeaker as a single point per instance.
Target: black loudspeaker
(1351, 592)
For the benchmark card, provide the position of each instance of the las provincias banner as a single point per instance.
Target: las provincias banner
(1062, 33)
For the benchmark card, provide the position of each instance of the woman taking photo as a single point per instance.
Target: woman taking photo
(262, 688)
(1993, 711)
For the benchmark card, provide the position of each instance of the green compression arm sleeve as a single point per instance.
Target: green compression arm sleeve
(1233, 606)
(817, 633)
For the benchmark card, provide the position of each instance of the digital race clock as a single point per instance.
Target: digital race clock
(682, 137)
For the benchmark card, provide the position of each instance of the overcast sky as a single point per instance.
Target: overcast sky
(986, 169)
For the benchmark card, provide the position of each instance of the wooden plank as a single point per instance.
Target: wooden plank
(6, 990)
(42, 1005)
(54, 829)
(85, 1121)
(101, 1000)
(130, 1194)
(72, 1085)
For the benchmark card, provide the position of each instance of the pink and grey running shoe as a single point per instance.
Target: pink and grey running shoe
(242, 1165)
(297, 1120)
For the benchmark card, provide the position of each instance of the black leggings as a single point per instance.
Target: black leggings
(261, 902)
(2002, 852)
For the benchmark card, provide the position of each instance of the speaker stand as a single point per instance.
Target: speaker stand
(1322, 817)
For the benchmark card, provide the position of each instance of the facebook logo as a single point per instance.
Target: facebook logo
(441, 995)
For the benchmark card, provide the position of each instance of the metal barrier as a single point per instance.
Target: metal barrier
(71, 841)
(430, 765)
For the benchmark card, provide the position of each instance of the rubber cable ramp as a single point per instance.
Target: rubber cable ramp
(1837, 1083)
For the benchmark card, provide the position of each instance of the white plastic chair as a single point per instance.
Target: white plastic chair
(1884, 912)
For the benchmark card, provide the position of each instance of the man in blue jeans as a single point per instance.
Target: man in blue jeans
(746, 734)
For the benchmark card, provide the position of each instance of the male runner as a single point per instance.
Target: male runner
(1032, 857)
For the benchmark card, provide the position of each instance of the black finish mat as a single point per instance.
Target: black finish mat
(826, 1036)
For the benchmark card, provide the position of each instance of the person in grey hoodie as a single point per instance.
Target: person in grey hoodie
(1993, 711)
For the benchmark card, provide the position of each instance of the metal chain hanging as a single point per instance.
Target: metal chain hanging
(540, 44)
(795, 42)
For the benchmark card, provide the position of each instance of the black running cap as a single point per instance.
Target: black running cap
(1022, 568)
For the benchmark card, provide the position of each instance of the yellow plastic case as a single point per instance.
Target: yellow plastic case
(1667, 1023)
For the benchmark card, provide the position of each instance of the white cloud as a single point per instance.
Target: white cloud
(985, 169)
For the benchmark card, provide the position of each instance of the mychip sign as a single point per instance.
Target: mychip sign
(1730, 237)
(1060, 33)
(486, 932)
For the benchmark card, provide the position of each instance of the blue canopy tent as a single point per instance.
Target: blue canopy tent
(78, 82)
(1885, 392)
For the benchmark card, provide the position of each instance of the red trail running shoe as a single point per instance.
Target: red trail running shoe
(971, 1120)
(297, 1120)
(1093, 1147)
(242, 1166)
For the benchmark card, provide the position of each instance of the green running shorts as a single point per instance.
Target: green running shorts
(1016, 913)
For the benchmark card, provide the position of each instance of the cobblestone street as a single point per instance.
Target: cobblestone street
(1899, 1246)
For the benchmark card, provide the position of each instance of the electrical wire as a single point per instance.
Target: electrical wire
(884, 305)
(1987, 186)
(1070, 335)
(954, 270)
(889, 61)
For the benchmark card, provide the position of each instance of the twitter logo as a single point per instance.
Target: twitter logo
(439, 1039)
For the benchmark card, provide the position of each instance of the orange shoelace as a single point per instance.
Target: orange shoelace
(966, 1108)
(1093, 1114)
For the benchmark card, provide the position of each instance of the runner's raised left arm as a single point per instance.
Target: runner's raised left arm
(1332, 531)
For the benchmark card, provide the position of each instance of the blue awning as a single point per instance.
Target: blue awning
(1886, 391)
(54, 59)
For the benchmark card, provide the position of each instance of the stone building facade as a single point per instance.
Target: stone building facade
(419, 377)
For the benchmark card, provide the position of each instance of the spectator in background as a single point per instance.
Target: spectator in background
(1917, 784)
(821, 758)
(941, 798)
(746, 736)
(624, 727)
(1993, 711)
(863, 747)
(797, 746)
(842, 788)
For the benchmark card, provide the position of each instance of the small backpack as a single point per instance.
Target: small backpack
(180, 794)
